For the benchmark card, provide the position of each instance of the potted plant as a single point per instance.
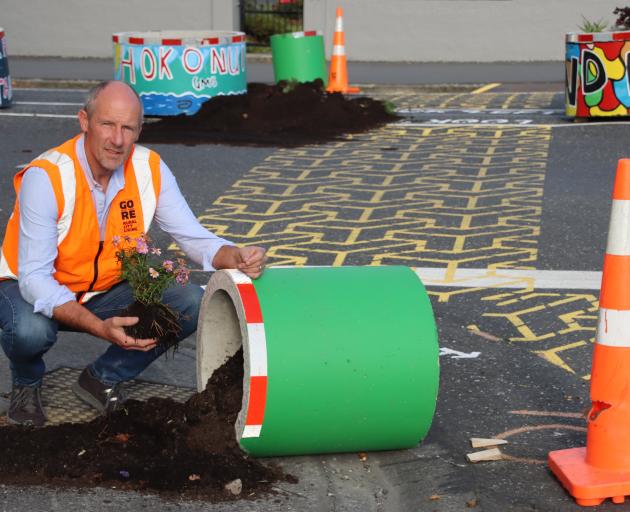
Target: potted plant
(148, 279)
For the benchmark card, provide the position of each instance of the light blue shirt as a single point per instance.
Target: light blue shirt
(38, 229)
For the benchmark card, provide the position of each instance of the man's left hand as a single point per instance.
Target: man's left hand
(249, 260)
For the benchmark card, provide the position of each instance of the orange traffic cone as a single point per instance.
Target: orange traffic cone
(602, 469)
(338, 78)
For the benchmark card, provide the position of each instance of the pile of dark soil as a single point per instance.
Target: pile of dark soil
(185, 450)
(285, 115)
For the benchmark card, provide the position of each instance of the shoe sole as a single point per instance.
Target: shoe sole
(87, 397)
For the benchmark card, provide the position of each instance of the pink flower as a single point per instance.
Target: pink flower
(156, 250)
(141, 246)
(116, 240)
(168, 265)
(153, 273)
(182, 276)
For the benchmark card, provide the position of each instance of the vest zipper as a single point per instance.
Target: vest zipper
(98, 253)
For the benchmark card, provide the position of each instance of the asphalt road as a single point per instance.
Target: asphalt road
(493, 193)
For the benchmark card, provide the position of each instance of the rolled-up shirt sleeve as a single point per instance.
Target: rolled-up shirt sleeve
(175, 217)
(37, 245)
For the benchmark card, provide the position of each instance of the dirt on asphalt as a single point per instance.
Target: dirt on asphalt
(159, 445)
(283, 115)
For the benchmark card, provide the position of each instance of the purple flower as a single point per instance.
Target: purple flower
(168, 265)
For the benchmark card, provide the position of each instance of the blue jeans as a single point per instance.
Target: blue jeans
(27, 336)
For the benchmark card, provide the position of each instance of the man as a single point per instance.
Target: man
(58, 269)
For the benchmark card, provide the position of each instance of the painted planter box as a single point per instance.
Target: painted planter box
(6, 92)
(597, 78)
(175, 72)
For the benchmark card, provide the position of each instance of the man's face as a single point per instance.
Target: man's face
(111, 129)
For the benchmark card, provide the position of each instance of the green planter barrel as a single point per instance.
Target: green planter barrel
(336, 359)
(299, 56)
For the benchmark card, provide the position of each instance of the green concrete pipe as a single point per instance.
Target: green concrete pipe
(336, 359)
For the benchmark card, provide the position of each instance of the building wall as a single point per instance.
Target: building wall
(84, 28)
(455, 30)
(376, 30)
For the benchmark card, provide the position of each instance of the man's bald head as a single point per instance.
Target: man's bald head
(112, 86)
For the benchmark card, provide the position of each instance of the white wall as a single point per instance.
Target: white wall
(376, 30)
(455, 30)
(83, 28)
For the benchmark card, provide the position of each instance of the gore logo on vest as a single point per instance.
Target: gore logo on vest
(128, 215)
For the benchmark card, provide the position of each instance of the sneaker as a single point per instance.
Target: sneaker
(101, 396)
(26, 406)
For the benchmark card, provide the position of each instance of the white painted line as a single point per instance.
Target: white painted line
(485, 111)
(52, 89)
(28, 114)
(476, 124)
(503, 278)
(449, 124)
(593, 124)
(510, 278)
(456, 354)
(507, 125)
(49, 103)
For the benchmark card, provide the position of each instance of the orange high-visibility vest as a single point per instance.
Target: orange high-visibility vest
(86, 264)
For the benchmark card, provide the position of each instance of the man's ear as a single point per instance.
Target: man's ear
(83, 120)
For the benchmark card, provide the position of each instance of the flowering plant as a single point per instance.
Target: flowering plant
(148, 279)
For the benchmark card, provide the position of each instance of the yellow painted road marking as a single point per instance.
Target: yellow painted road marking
(485, 88)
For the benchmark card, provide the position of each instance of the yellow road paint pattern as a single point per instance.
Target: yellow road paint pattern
(485, 88)
(559, 327)
(437, 196)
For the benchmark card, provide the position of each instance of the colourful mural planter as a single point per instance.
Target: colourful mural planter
(176, 72)
(5, 79)
(597, 74)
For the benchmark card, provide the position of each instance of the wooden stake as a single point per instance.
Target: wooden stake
(484, 455)
(482, 442)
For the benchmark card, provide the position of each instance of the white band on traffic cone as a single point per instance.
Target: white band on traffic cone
(619, 230)
(613, 328)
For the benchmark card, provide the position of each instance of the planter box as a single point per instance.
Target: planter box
(175, 72)
(597, 80)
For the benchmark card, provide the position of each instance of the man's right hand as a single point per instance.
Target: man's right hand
(82, 319)
(114, 326)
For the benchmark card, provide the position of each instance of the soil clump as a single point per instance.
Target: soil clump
(179, 450)
(154, 321)
(286, 115)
